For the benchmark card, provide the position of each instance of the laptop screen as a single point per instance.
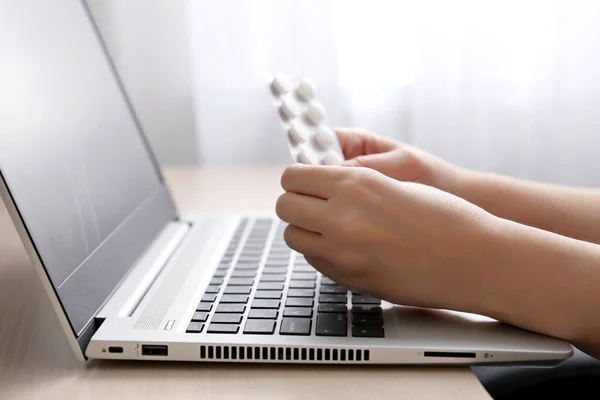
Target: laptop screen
(72, 155)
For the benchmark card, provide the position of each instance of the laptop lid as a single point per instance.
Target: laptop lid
(75, 167)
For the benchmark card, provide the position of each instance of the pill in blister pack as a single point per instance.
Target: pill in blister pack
(304, 120)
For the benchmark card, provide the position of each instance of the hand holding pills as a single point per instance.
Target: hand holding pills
(399, 241)
(303, 118)
(398, 160)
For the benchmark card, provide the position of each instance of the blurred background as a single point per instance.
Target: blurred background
(509, 86)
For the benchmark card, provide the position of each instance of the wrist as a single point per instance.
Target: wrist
(462, 182)
(535, 279)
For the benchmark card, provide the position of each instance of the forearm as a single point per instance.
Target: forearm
(543, 282)
(572, 212)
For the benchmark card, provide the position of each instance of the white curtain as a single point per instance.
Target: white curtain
(506, 86)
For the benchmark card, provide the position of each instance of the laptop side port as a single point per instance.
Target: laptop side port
(115, 349)
(449, 354)
(155, 350)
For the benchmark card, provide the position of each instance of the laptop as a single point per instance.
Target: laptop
(132, 279)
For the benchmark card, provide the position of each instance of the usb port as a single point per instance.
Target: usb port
(115, 349)
(154, 350)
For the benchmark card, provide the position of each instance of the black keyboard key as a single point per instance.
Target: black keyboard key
(333, 298)
(231, 308)
(254, 247)
(276, 264)
(330, 289)
(195, 327)
(298, 312)
(246, 266)
(259, 327)
(200, 316)
(332, 325)
(270, 286)
(267, 294)
(220, 273)
(223, 328)
(304, 268)
(299, 302)
(251, 252)
(263, 314)
(216, 281)
(213, 289)
(240, 282)
(273, 278)
(332, 308)
(304, 276)
(255, 239)
(209, 298)
(367, 319)
(227, 318)
(238, 290)
(243, 274)
(362, 299)
(302, 284)
(275, 270)
(301, 293)
(234, 298)
(206, 307)
(268, 304)
(280, 251)
(249, 259)
(278, 261)
(372, 331)
(327, 281)
(295, 326)
(366, 309)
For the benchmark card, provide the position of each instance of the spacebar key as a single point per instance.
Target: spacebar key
(332, 324)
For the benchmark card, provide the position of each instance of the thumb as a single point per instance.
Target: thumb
(399, 164)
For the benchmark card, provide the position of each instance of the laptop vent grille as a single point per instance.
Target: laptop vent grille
(282, 353)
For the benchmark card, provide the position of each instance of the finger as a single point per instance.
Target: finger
(399, 164)
(311, 180)
(307, 212)
(357, 142)
(368, 161)
(303, 241)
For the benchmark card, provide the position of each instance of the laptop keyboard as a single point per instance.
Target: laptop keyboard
(260, 293)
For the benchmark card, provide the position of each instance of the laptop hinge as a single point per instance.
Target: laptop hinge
(132, 289)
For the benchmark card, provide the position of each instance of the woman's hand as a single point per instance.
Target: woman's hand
(406, 243)
(397, 160)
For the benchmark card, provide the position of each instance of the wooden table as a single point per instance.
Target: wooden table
(36, 361)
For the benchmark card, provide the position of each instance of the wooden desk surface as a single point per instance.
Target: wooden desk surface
(36, 361)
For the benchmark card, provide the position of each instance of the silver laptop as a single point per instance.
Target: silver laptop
(129, 278)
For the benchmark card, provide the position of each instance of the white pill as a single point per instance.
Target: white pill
(324, 137)
(290, 108)
(281, 84)
(305, 156)
(306, 90)
(315, 112)
(298, 132)
(332, 158)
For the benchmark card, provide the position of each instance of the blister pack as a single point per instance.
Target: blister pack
(304, 120)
